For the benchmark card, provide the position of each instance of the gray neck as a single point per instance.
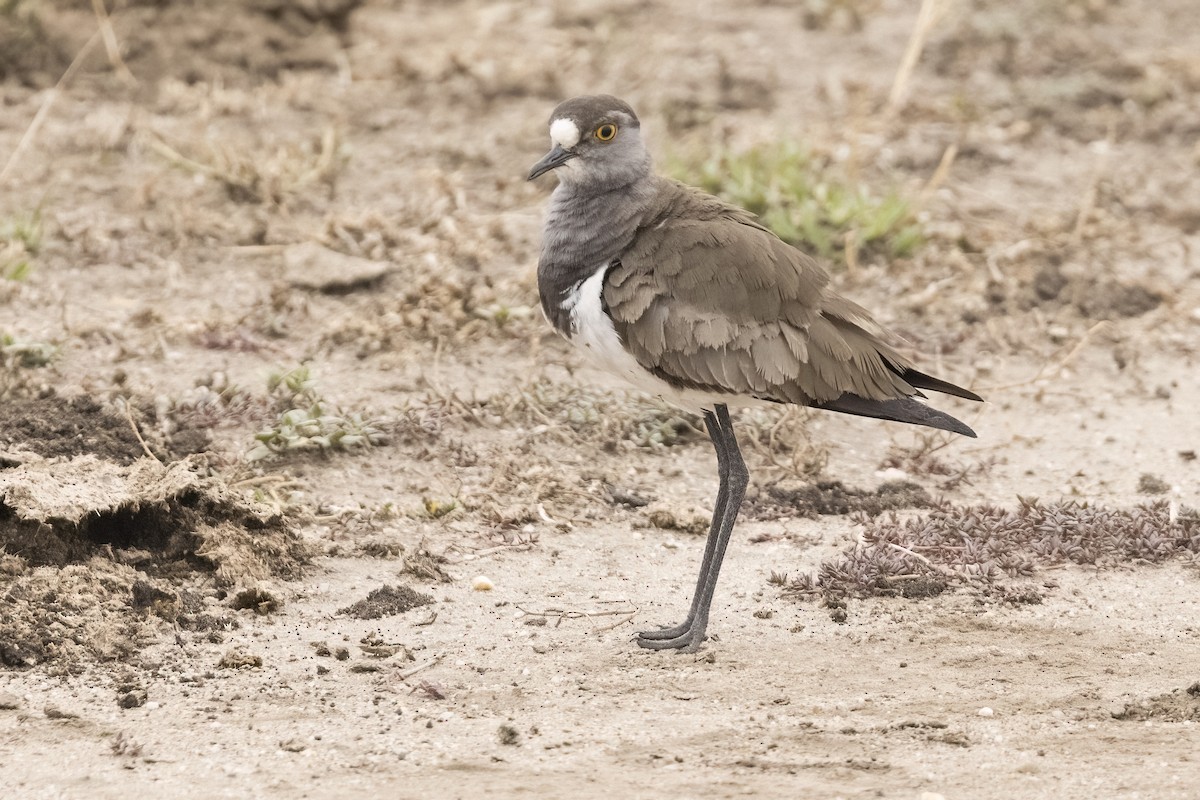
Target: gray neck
(586, 231)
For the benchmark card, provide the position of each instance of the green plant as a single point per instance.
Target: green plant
(306, 423)
(16, 358)
(26, 354)
(808, 201)
(20, 240)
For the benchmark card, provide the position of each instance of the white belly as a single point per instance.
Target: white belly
(596, 337)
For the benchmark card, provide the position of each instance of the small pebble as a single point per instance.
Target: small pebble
(482, 583)
(985, 712)
(9, 702)
(891, 474)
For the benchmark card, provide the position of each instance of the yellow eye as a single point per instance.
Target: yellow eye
(606, 132)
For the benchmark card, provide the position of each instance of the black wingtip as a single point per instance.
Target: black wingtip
(905, 410)
(920, 380)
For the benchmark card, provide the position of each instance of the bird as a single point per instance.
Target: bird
(693, 300)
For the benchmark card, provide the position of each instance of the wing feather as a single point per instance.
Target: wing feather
(707, 298)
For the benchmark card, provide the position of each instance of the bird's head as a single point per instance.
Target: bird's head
(597, 144)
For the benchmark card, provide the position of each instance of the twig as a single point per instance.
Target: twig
(941, 570)
(566, 613)
(408, 673)
(178, 159)
(917, 556)
(616, 624)
(939, 175)
(110, 44)
(51, 97)
(851, 242)
(259, 480)
(137, 433)
(257, 249)
(1050, 370)
(1088, 204)
(514, 546)
(927, 17)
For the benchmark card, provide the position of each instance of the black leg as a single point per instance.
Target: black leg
(718, 440)
(734, 480)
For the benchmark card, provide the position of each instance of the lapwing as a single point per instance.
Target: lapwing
(692, 300)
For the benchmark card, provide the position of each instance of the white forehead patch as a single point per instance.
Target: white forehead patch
(565, 133)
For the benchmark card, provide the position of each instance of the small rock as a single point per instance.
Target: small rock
(482, 583)
(627, 497)
(891, 475)
(292, 745)
(985, 712)
(9, 702)
(311, 266)
(132, 699)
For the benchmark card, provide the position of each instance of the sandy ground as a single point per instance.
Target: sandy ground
(169, 278)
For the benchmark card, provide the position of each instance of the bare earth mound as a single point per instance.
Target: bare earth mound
(112, 543)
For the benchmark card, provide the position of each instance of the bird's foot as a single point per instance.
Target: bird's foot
(667, 633)
(685, 639)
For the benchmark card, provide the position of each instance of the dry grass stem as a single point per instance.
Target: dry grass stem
(629, 611)
(138, 433)
(928, 16)
(111, 47)
(1088, 203)
(408, 673)
(1051, 369)
(939, 175)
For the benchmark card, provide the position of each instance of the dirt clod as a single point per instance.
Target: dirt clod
(387, 601)
(261, 601)
(1152, 484)
(1179, 705)
(239, 658)
(667, 521)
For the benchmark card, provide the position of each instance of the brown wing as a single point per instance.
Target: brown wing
(708, 299)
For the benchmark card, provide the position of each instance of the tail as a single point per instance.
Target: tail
(905, 409)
